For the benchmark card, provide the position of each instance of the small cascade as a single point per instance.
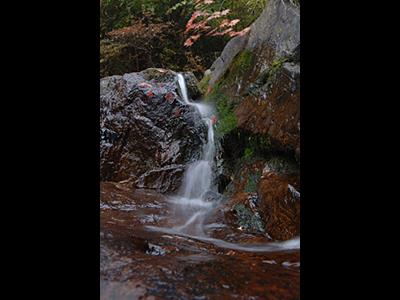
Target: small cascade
(192, 205)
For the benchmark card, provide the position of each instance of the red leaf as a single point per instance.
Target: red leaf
(144, 85)
(213, 120)
(222, 32)
(149, 94)
(234, 22)
(178, 112)
(190, 41)
(195, 15)
(170, 97)
(240, 33)
(224, 23)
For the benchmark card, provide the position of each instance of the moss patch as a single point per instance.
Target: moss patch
(227, 117)
(227, 120)
(203, 84)
(239, 66)
(248, 153)
(256, 146)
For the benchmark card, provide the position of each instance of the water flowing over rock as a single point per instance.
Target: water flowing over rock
(148, 134)
(155, 246)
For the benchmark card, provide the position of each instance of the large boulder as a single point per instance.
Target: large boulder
(148, 134)
(260, 75)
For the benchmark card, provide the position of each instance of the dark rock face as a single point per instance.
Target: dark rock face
(163, 179)
(147, 134)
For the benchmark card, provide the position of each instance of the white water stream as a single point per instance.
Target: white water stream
(191, 205)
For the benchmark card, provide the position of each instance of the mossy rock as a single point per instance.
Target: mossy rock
(227, 120)
(241, 64)
(282, 165)
(203, 84)
(252, 182)
(266, 78)
(248, 220)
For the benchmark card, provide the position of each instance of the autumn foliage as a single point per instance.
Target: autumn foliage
(210, 23)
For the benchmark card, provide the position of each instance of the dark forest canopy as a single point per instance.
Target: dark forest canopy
(138, 34)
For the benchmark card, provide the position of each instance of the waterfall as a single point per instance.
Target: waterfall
(192, 206)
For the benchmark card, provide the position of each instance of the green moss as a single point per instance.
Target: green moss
(227, 120)
(243, 60)
(248, 152)
(257, 145)
(227, 117)
(239, 66)
(203, 84)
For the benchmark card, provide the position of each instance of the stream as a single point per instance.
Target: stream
(154, 246)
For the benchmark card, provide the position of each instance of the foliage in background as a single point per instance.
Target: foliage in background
(139, 46)
(131, 40)
(209, 22)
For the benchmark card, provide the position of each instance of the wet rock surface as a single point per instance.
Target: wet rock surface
(280, 202)
(136, 263)
(264, 197)
(147, 134)
(260, 74)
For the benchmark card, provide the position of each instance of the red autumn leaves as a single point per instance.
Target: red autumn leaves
(149, 94)
(145, 85)
(199, 23)
(169, 97)
(213, 120)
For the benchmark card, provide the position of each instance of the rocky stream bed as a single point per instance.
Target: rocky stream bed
(140, 264)
(228, 145)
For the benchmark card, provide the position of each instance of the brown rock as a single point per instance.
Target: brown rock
(280, 204)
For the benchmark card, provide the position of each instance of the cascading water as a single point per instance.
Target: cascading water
(191, 205)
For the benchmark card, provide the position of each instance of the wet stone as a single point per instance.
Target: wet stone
(155, 250)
